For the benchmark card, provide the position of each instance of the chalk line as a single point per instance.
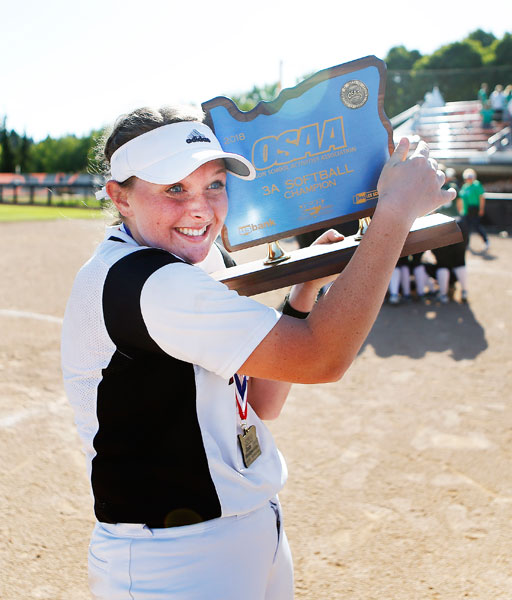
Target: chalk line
(29, 315)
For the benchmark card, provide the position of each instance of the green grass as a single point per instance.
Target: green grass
(27, 212)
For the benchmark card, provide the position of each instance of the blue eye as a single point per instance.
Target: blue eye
(175, 189)
(217, 185)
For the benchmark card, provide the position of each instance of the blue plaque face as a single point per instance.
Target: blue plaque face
(318, 151)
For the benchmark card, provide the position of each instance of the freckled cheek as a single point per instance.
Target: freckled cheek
(167, 219)
(222, 213)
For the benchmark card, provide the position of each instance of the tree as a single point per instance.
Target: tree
(68, 154)
(248, 100)
(24, 153)
(20, 149)
(453, 68)
(399, 58)
(7, 164)
(485, 38)
(503, 51)
(459, 55)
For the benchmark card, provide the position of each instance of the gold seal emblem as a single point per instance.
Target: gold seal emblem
(354, 94)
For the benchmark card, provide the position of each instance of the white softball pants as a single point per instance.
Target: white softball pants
(230, 558)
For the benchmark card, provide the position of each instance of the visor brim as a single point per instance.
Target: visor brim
(177, 167)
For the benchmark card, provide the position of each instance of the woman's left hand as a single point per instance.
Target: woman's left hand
(303, 295)
(330, 236)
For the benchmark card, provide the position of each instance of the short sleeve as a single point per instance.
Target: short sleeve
(199, 320)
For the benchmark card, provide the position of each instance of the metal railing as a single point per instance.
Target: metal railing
(404, 116)
(500, 140)
(34, 193)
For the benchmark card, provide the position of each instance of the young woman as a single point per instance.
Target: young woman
(171, 374)
(451, 260)
(473, 205)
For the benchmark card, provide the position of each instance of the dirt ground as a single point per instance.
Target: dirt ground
(400, 484)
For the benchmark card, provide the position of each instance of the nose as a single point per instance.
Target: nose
(200, 207)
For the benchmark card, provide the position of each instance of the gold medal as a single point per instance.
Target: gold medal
(249, 445)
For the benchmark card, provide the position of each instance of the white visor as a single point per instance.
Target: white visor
(170, 153)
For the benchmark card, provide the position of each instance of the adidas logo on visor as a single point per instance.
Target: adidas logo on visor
(195, 136)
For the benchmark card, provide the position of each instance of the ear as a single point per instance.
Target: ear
(119, 196)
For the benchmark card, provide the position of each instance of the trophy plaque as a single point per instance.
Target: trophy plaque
(257, 277)
(318, 150)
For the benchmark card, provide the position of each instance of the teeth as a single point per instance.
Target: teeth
(191, 232)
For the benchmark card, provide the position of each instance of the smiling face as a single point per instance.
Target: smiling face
(184, 218)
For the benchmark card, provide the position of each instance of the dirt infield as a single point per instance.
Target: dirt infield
(400, 484)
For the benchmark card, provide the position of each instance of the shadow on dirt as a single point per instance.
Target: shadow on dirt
(486, 256)
(415, 329)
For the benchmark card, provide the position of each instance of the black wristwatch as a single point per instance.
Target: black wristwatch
(287, 309)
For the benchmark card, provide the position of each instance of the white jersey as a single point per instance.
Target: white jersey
(150, 345)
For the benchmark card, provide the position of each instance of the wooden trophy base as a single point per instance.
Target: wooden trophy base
(432, 231)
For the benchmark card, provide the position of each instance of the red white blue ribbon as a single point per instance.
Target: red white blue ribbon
(241, 395)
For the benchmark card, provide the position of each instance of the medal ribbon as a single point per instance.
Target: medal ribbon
(127, 230)
(241, 395)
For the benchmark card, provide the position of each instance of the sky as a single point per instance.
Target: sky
(69, 66)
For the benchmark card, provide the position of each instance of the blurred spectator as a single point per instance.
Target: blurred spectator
(498, 102)
(400, 278)
(406, 267)
(487, 113)
(421, 278)
(473, 204)
(509, 122)
(507, 92)
(433, 99)
(483, 93)
(451, 260)
(507, 112)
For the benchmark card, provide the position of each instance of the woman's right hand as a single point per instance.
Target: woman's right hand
(412, 186)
